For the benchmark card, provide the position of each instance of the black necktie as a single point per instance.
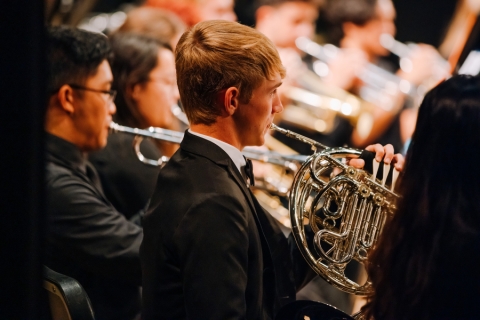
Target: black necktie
(249, 171)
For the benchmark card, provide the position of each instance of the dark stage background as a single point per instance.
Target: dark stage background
(22, 100)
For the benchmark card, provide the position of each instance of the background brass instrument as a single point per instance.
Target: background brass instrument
(379, 82)
(314, 106)
(179, 114)
(404, 52)
(345, 207)
(287, 161)
(271, 186)
(154, 133)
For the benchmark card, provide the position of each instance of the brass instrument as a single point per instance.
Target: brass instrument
(345, 207)
(287, 161)
(154, 133)
(271, 186)
(314, 106)
(375, 77)
(404, 52)
(179, 114)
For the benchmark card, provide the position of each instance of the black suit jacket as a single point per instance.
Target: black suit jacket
(128, 183)
(87, 238)
(209, 250)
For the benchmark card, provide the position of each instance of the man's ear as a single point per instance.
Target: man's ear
(66, 99)
(229, 100)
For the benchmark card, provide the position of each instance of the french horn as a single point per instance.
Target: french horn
(346, 208)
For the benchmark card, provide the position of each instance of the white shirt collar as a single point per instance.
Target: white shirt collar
(234, 154)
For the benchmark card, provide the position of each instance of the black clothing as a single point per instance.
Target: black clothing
(456, 280)
(87, 238)
(210, 251)
(127, 182)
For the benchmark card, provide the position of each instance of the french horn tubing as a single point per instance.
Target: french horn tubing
(346, 208)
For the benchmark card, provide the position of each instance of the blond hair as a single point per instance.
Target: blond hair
(215, 55)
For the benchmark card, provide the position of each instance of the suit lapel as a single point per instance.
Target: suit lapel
(210, 150)
(266, 229)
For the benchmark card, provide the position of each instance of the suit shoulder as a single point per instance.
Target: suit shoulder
(191, 170)
(55, 172)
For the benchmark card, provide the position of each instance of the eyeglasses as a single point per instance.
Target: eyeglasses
(111, 93)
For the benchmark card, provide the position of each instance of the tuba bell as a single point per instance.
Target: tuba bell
(346, 208)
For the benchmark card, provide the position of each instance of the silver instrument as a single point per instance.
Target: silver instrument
(375, 77)
(315, 111)
(274, 185)
(176, 137)
(345, 207)
(179, 114)
(404, 52)
(154, 133)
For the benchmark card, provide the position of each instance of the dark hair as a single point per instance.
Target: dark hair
(438, 216)
(73, 55)
(135, 56)
(337, 12)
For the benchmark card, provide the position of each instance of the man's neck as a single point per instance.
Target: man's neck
(218, 131)
(59, 125)
(65, 134)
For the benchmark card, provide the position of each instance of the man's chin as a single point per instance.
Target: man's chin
(260, 142)
(101, 144)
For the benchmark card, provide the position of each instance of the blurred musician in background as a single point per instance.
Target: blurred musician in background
(160, 24)
(87, 239)
(144, 78)
(357, 26)
(194, 11)
(283, 22)
(427, 260)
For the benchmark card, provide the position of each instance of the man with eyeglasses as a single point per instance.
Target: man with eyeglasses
(87, 238)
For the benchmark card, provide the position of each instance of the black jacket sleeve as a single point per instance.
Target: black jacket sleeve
(214, 257)
(88, 230)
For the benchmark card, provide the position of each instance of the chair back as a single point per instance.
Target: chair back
(67, 298)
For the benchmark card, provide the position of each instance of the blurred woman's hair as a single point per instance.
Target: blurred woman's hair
(135, 56)
(422, 249)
